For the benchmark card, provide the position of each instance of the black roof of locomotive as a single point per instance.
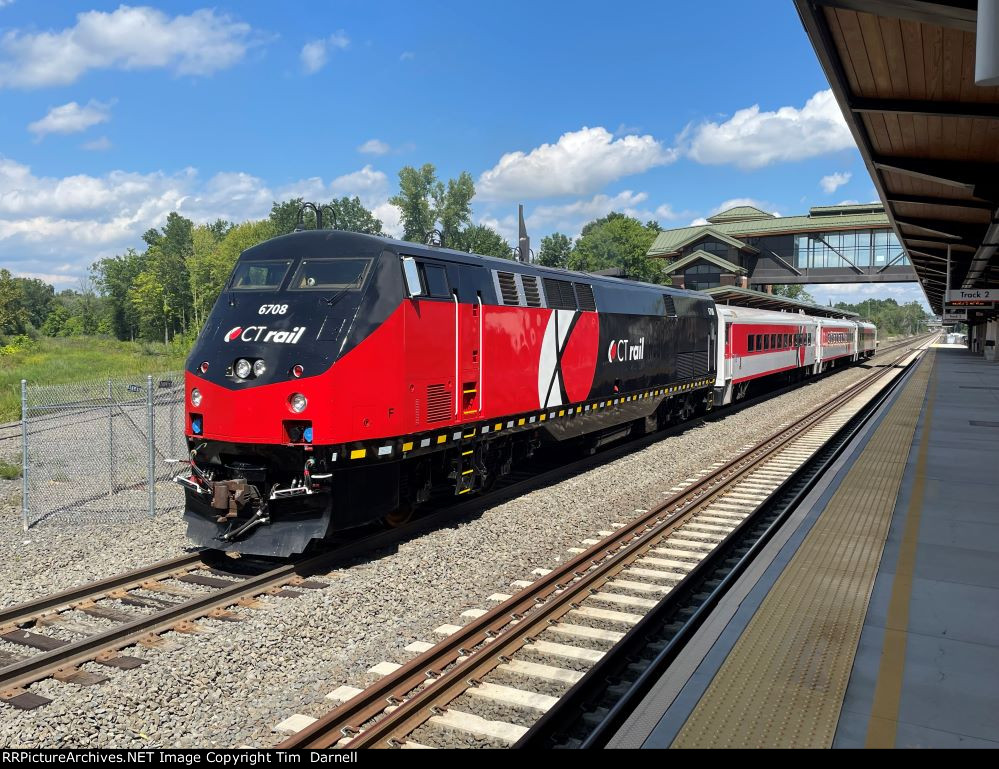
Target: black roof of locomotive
(305, 242)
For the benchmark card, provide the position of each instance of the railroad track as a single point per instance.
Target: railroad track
(521, 656)
(141, 605)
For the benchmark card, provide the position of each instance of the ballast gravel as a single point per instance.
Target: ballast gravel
(231, 683)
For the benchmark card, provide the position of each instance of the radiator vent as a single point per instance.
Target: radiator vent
(440, 407)
(508, 288)
(532, 294)
(685, 365)
(560, 294)
(670, 307)
(584, 297)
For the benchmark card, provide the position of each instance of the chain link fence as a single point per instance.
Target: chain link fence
(102, 450)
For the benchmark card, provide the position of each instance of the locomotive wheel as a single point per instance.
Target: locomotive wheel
(400, 516)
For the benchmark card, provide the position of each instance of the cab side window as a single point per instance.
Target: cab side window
(435, 280)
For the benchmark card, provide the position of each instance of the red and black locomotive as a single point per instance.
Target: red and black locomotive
(341, 378)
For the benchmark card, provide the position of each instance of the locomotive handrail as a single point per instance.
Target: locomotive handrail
(478, 298)
(457, 351)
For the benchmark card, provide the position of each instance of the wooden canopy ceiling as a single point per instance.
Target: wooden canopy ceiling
(903, 73)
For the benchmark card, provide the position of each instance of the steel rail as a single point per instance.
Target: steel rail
(17, 615)
(537, 604)
(786, 497)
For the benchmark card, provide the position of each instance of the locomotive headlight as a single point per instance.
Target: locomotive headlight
(195, 397)
(243, 368)
(298, 403)
(259, 367)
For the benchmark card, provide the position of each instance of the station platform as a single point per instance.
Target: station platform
(872, 618)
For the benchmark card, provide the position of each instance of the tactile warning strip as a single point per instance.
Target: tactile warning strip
(783, 683)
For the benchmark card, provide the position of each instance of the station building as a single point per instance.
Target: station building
(749, 248)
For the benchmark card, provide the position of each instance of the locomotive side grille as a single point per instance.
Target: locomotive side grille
(439, 405)
(670, 306)
(685, 365)
(508, 288)
(560, 294)
(700, 362)
(532, 294)
(584, 297)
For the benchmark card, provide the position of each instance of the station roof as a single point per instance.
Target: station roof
(731, 224)
(903, 74)
(706, 256)
(748, 297)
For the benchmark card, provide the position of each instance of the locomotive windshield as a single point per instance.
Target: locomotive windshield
(260, 275)
(339, 274)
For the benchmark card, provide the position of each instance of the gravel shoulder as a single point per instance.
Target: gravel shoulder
(231, 684)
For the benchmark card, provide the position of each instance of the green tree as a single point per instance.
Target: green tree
(352, 215)
(453, 207)
(205, 270)
(425, 204)
(214, 258)
(55, 322)
(618, 241)
(14, 316)
(794, 291)
(555, 250)
(284, 216)
(891, 318)
(480, 239)
(114, 278)
(173, 250)
(87, 308)
(416, 189)
(152, 307)
(38, 299)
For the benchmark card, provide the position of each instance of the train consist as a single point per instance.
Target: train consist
(344, 378)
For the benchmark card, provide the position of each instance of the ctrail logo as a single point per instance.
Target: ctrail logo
(261, 334)
(621, 351)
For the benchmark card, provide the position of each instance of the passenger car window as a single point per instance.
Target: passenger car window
(752, 345)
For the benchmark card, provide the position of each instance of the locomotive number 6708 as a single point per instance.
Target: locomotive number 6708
(385, 370)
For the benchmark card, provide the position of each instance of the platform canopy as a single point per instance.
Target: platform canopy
(747, 297)
(903, 72)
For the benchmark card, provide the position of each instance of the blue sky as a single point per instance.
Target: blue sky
(113, 115)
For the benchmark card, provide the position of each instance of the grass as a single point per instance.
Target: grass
(8, 471)
(47, 361)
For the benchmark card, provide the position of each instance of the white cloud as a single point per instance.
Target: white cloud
(128, 39)
(374, 147)
(569, 218)
(97, 145)
(833, 182)
(579, 163)
(407, 56)
(391, 218)
(735, 202)
(369, 185)
(71, 118)
(59, 226)
(856, 293)
(315, 53)
(753, 139)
